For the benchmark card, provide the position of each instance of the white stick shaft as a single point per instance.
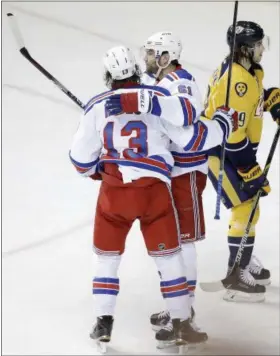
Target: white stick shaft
(15, 30)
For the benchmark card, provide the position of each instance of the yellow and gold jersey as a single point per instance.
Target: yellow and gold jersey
(246, 97)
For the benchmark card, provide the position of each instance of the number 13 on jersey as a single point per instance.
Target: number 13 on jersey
(137, 143)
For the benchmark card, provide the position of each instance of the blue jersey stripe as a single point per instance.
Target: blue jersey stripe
(149, 167)
(105, 291)
(192, 283)
(106, 280)
(83, 165)
(204, 136)
(189, 165)
(193, 139)
(173, 282)
(175, 294)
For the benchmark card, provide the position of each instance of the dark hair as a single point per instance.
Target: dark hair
(174, 62)
(115, 84)
(247, 34)
(243, 52)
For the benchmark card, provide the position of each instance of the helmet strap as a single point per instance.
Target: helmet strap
(161, 68)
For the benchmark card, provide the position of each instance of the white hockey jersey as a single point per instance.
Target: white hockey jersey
(138, 144)
(181, 83)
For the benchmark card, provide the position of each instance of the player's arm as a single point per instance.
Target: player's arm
(178, 110)
(86, 147)
(204, 134)
(185, 103)
(239, 149)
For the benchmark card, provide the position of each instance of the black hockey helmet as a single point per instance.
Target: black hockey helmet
(247, 33)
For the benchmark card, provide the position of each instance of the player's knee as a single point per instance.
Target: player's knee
(243, 211)
(170, 267)
(190, 258)
(107, 266)
(239, 219)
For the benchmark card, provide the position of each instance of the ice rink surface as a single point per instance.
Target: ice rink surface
(48, 209)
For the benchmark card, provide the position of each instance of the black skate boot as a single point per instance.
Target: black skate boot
(243, 287)
(102, 330)
(179, 333)
(186, 334)
(158, 320)
(165, 336)
(260, 274)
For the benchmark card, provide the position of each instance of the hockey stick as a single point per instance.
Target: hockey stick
(23, 50)
(223, 151)
(232, 276)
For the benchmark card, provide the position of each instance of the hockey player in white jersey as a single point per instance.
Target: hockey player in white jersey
(161, 54)
(131, 154)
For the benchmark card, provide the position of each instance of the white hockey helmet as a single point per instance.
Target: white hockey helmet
(165, 42)
(120, 62)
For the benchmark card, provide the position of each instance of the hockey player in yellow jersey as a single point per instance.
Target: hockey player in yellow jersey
(243, 176)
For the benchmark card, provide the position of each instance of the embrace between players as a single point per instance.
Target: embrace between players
(153, 144)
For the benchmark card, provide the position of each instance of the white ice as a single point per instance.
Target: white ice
(48, 209)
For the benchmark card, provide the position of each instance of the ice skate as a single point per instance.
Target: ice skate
(180, 334)
(165, 335)
(243, 288)
(101, 332)
(159, 320)
(260, 274)
(186, 334)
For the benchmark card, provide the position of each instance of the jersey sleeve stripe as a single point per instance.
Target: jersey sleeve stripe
(83, 167)
(188, 111)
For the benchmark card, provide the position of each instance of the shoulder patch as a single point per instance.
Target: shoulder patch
(241, 88)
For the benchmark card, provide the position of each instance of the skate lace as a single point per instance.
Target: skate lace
(255, 265)
(168, 326)
(163, 314)
(246, 276)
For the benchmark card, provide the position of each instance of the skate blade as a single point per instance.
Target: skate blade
(181, 342)
(102, 343)
(183, 349)
(241, 297)
(191, 348)
(165, 344)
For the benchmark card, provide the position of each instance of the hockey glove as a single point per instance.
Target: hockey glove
(253, 180)
(141, 101)
(227, 119)
(272, 103)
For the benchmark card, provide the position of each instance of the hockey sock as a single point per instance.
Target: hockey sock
(105, 286)
(190, 262)
(234, 243)
(173, 285)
